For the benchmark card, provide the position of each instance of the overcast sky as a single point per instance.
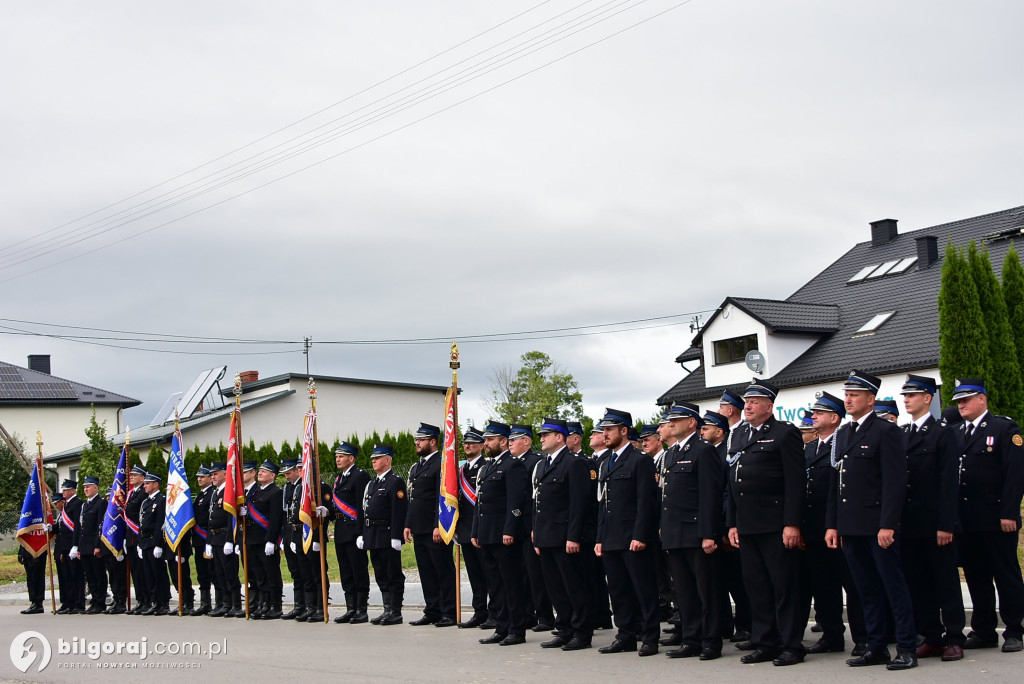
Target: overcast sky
(725, 147)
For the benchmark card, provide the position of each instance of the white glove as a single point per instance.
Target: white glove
(138, 550)
(292, 546)
(396, 544)
(120, 558)
(359, 543)
(48, 527)
(316, 546)
(245, 510)
(238, 549)
(158, 552)
(208, 552)
(269, 549)
(179, 558)
(321, 511)
(73, 553)
(229, 548)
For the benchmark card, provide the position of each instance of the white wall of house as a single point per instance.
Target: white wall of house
(62, 427)
(729, 324)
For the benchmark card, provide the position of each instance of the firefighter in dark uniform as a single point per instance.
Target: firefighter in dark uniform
(561, 498)
(291, 499)
(600, 607)
(200, 538)
(473, 447)
(991, 487)
(186, 593)
(60, 547)
(136, 494)
(251, 535)
(222, 544)
(87, 544)
(265, 516)
(692, 525)
(308, 560)
(385, 508)
(433, 557)
(539, 614)
(627, 524)
(349, 488)
(871, 456)
(35, 567)
(70, 515)
(502, 495)
(115, 569)
(928, 524)
(731, 405)
(824, 572)
(151, 546)
(767, 482)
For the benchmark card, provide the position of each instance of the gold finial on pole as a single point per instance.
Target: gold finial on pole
(39, 441)
(454, 363)
(312, 388)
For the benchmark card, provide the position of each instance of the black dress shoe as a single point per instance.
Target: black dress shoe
(95, 610)
(710, 653)
(576, 644)
(648, 649)
(825, 645)
(880, 657)
(542, 627)
(1012, 644)
(686, 651)
(488, 624)
(672, 640)
(671, 629)
(760, 655)
(618, 646)
(557, 642)
(740, 635)
(604, 623)
(493, 639)
(975, 641)
(512, 640)
(472, 622)
(445, 622)
(858, 650)
(788, 658)
(904, 660)
(33, 609)
(424, 621)
(746, 645)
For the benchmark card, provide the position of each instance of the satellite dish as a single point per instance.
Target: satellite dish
(755, 361)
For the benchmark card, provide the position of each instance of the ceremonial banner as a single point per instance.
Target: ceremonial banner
(180, 515)
(448, 497)
(112, 535)
(308, 504)
(234, 491)
(31, 532)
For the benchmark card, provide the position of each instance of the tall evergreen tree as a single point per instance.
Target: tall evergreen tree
(1013, 295)
(156, 463)
(1004, 383)
(963, 341)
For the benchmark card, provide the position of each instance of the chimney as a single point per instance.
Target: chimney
(39, 363)
(927, 251)
(249, 376)
(883, 232)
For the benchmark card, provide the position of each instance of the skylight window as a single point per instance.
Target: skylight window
(883, 269)
(903, 266)
(874, 324)
(862, 273)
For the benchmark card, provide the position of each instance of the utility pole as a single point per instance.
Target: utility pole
(307, 342)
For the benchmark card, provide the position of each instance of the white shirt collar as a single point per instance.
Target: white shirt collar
(473, 462)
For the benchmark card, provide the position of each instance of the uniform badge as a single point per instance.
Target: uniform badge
(657, 478)
(1017, 440)
(593, 473)
(400, 494)
(516, 512)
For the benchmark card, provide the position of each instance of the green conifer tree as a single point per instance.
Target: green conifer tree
(963, 340)
(156, 463)
(99, 457)
(1013, 295)
(1004, 383)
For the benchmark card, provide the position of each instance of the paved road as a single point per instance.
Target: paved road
(286, 652)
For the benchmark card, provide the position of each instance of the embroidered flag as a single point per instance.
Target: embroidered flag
(112, 535)
(448, 497)
(180, 514)
(306, 504)
(31, 532)
(234, 491)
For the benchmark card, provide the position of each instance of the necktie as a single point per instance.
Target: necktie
(549, 462)
(822, 447)
(611, 460)
(913, 429)
(970, 429)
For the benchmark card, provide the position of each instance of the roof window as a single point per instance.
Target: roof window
(874, 324)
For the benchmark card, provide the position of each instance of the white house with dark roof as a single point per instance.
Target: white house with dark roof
(31, 399)
(875, 309)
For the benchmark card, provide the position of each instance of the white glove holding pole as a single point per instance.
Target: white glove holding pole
(321, 511)
(316, 546)
(229, 548)
(359, 543)
(138, 552)
(269, 549)
(396, 544)
(120, 558)
(238, 549)
(48, 527)
(292, 546)
(73, 553)
(158, 552)
(245, 510)
(208, 552)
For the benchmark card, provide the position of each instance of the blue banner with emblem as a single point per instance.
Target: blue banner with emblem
(112, 535)
(180, 515)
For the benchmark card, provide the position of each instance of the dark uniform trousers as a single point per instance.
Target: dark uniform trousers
(433, 559)
(596, 582)
(933, 457)
(69, 571)
(869, 495)
(117, 573)
(991, 485)
(561, 499)
(629, 511)
(539, 608)
(385, 507)
(35, 574)
(730, 567)
(151, 521)
(289, 536)
(353, 567)
(701, 596)
(87, 536)
(186, 592)
(131, 542)
(473, 558)
(200, 535)
(225, 565)
(502, 497)
(767, 484)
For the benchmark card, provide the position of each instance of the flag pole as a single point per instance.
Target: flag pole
(177, 553)
(315, 455)
(44, 499)
(241, 458)
(455, 364)
(124, 515)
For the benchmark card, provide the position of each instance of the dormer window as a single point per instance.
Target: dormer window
(734, 349)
